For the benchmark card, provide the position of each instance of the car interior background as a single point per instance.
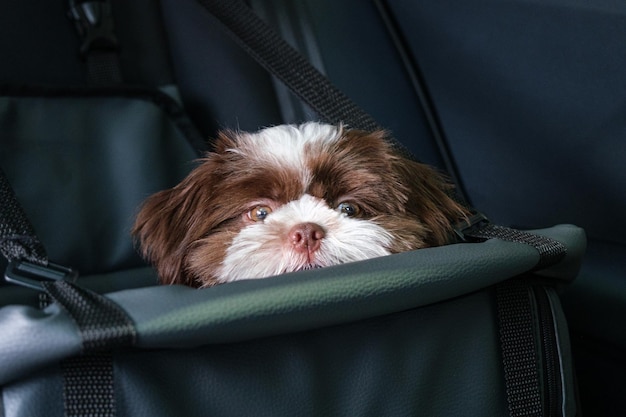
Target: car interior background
(522, 103)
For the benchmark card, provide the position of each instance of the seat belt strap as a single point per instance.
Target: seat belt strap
(88, 378)
(18, 240)
(478, 228)
(550, 251)
(519, 350)
(288, 65)
(99, 49)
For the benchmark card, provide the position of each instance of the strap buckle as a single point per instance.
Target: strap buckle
(94, 23)
(31, 275)
(474, 222)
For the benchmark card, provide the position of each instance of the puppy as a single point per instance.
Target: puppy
(289, 198)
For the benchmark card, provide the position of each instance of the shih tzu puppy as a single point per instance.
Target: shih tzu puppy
(289, 198)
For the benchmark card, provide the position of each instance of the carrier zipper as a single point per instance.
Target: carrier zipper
(551, 357)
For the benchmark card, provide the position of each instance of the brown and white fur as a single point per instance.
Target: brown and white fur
(289, 198)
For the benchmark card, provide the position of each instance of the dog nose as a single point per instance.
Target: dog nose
(306, 237)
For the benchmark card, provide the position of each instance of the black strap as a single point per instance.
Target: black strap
(28, 262)
(102, 324)
(551, 251)
(18, 240)
(99, 46)
(88, 388)
(88, 378)
(103, 68)
(280, 59)
(477, 228)
(516, 319)
(519, 350)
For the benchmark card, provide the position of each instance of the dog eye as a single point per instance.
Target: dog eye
(259, 213)
(348, 209)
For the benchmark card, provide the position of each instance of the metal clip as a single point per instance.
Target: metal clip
(474, 222)
(31, 275)
(94, 23)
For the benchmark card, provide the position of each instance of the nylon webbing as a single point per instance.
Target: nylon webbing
(99, 47)
(102, 324)
(103, 68)
(88, 379)
(17, 236)
(88, 389)
(283, 61)
(550, 251)
(519, 351)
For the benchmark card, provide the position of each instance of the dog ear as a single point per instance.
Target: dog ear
(164, 227)
(170, 221)
(430, 200)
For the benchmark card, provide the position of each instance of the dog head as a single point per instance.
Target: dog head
(289, 198)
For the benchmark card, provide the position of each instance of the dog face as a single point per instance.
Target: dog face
(289, 198)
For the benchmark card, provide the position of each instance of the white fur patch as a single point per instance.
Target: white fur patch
(263, 249)
(284, 145)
